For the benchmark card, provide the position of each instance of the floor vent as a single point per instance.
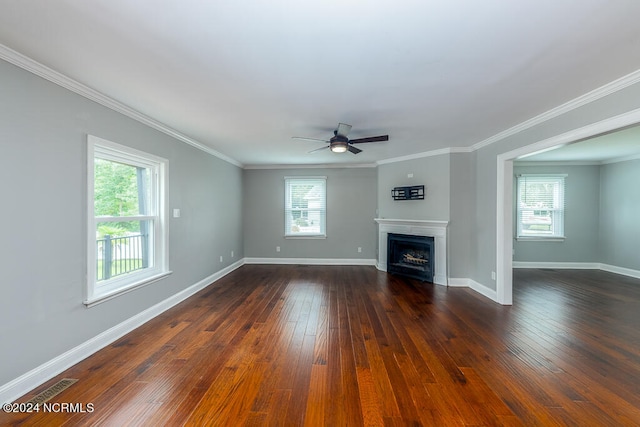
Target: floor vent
(52, 391)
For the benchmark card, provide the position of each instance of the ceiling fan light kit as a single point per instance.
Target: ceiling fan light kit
(339, 143)
(338, 147)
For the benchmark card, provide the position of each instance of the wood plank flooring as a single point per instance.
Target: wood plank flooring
(351, 346)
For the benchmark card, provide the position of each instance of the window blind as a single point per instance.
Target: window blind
(541, 205)
(305, 206)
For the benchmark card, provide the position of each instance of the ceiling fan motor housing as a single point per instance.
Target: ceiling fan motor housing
(338, 143)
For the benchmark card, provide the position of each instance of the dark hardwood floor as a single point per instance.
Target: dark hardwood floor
(350, 346)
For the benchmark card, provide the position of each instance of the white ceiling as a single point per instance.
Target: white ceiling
(243, 77)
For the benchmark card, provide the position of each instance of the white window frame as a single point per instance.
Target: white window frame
(97, 292)
(557, 211)
(289, 180)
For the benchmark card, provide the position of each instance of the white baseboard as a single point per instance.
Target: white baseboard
(478, 287)
(620, 270)
(311, 261)
(32, 379)
(458, 282)
(483, 290)
(558, 265)
(579, 266)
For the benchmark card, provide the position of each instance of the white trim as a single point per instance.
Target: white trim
(432, 153)
(621, 159)
(435, 229)
(504, 202)
(557, 239)
(413, 222)
(314, 166)
(463, 282)
(483, 290)
(620, 270)
(557, 210)
(579, 266)
(558, 163)
(594, 95)
(543, 175)
(558, 265)
(504, 234)
(310, 261)
(106, 296)
(37, 376)
(98, 292)
(55, 77)
(458, 282)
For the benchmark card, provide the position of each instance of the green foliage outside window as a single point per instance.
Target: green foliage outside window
(116, 194)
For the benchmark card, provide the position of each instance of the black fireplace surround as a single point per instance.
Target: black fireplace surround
(411, 256)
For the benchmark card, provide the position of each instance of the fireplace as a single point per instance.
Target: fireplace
(411, 256)
(413, 227)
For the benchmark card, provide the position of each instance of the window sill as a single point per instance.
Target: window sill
(99, 299)
(559, 239)
(309, 236)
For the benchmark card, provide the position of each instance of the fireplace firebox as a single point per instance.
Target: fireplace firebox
(411, 256)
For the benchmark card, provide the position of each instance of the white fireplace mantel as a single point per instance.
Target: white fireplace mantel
(415, 227)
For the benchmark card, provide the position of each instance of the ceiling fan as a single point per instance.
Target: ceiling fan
(340, 143)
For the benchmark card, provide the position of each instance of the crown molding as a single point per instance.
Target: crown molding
(59, 79)
(314, 166)
(601, 92)
(556, 163)
(576, 162)
(621, 159)
(55, 77)
(432, 153)
(594, 95)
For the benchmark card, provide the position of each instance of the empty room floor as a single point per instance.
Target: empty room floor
(350, 345)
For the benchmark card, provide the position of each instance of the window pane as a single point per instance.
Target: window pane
(305, 206)
(540, 206)
(119, 189)
(122, 248)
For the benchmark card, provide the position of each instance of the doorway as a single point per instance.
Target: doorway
(504, 217)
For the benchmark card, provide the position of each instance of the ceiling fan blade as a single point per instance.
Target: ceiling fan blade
(343, 129)
(354, 150)
(369, 139)
(309, 139)
(318, 149)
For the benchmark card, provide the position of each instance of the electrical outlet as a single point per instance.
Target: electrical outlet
(277, 248)
(493, 275)
(359, 249)
(220, 258)
(231, 254)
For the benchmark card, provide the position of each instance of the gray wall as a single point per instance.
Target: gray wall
(582, 206)
(620, 214)
(432, 172)
(461, 233)
(449, 196)
(43, 131)
(351, 206)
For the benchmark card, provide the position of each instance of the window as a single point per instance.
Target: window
(127, 233)
(540, 207)
(305, 206)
